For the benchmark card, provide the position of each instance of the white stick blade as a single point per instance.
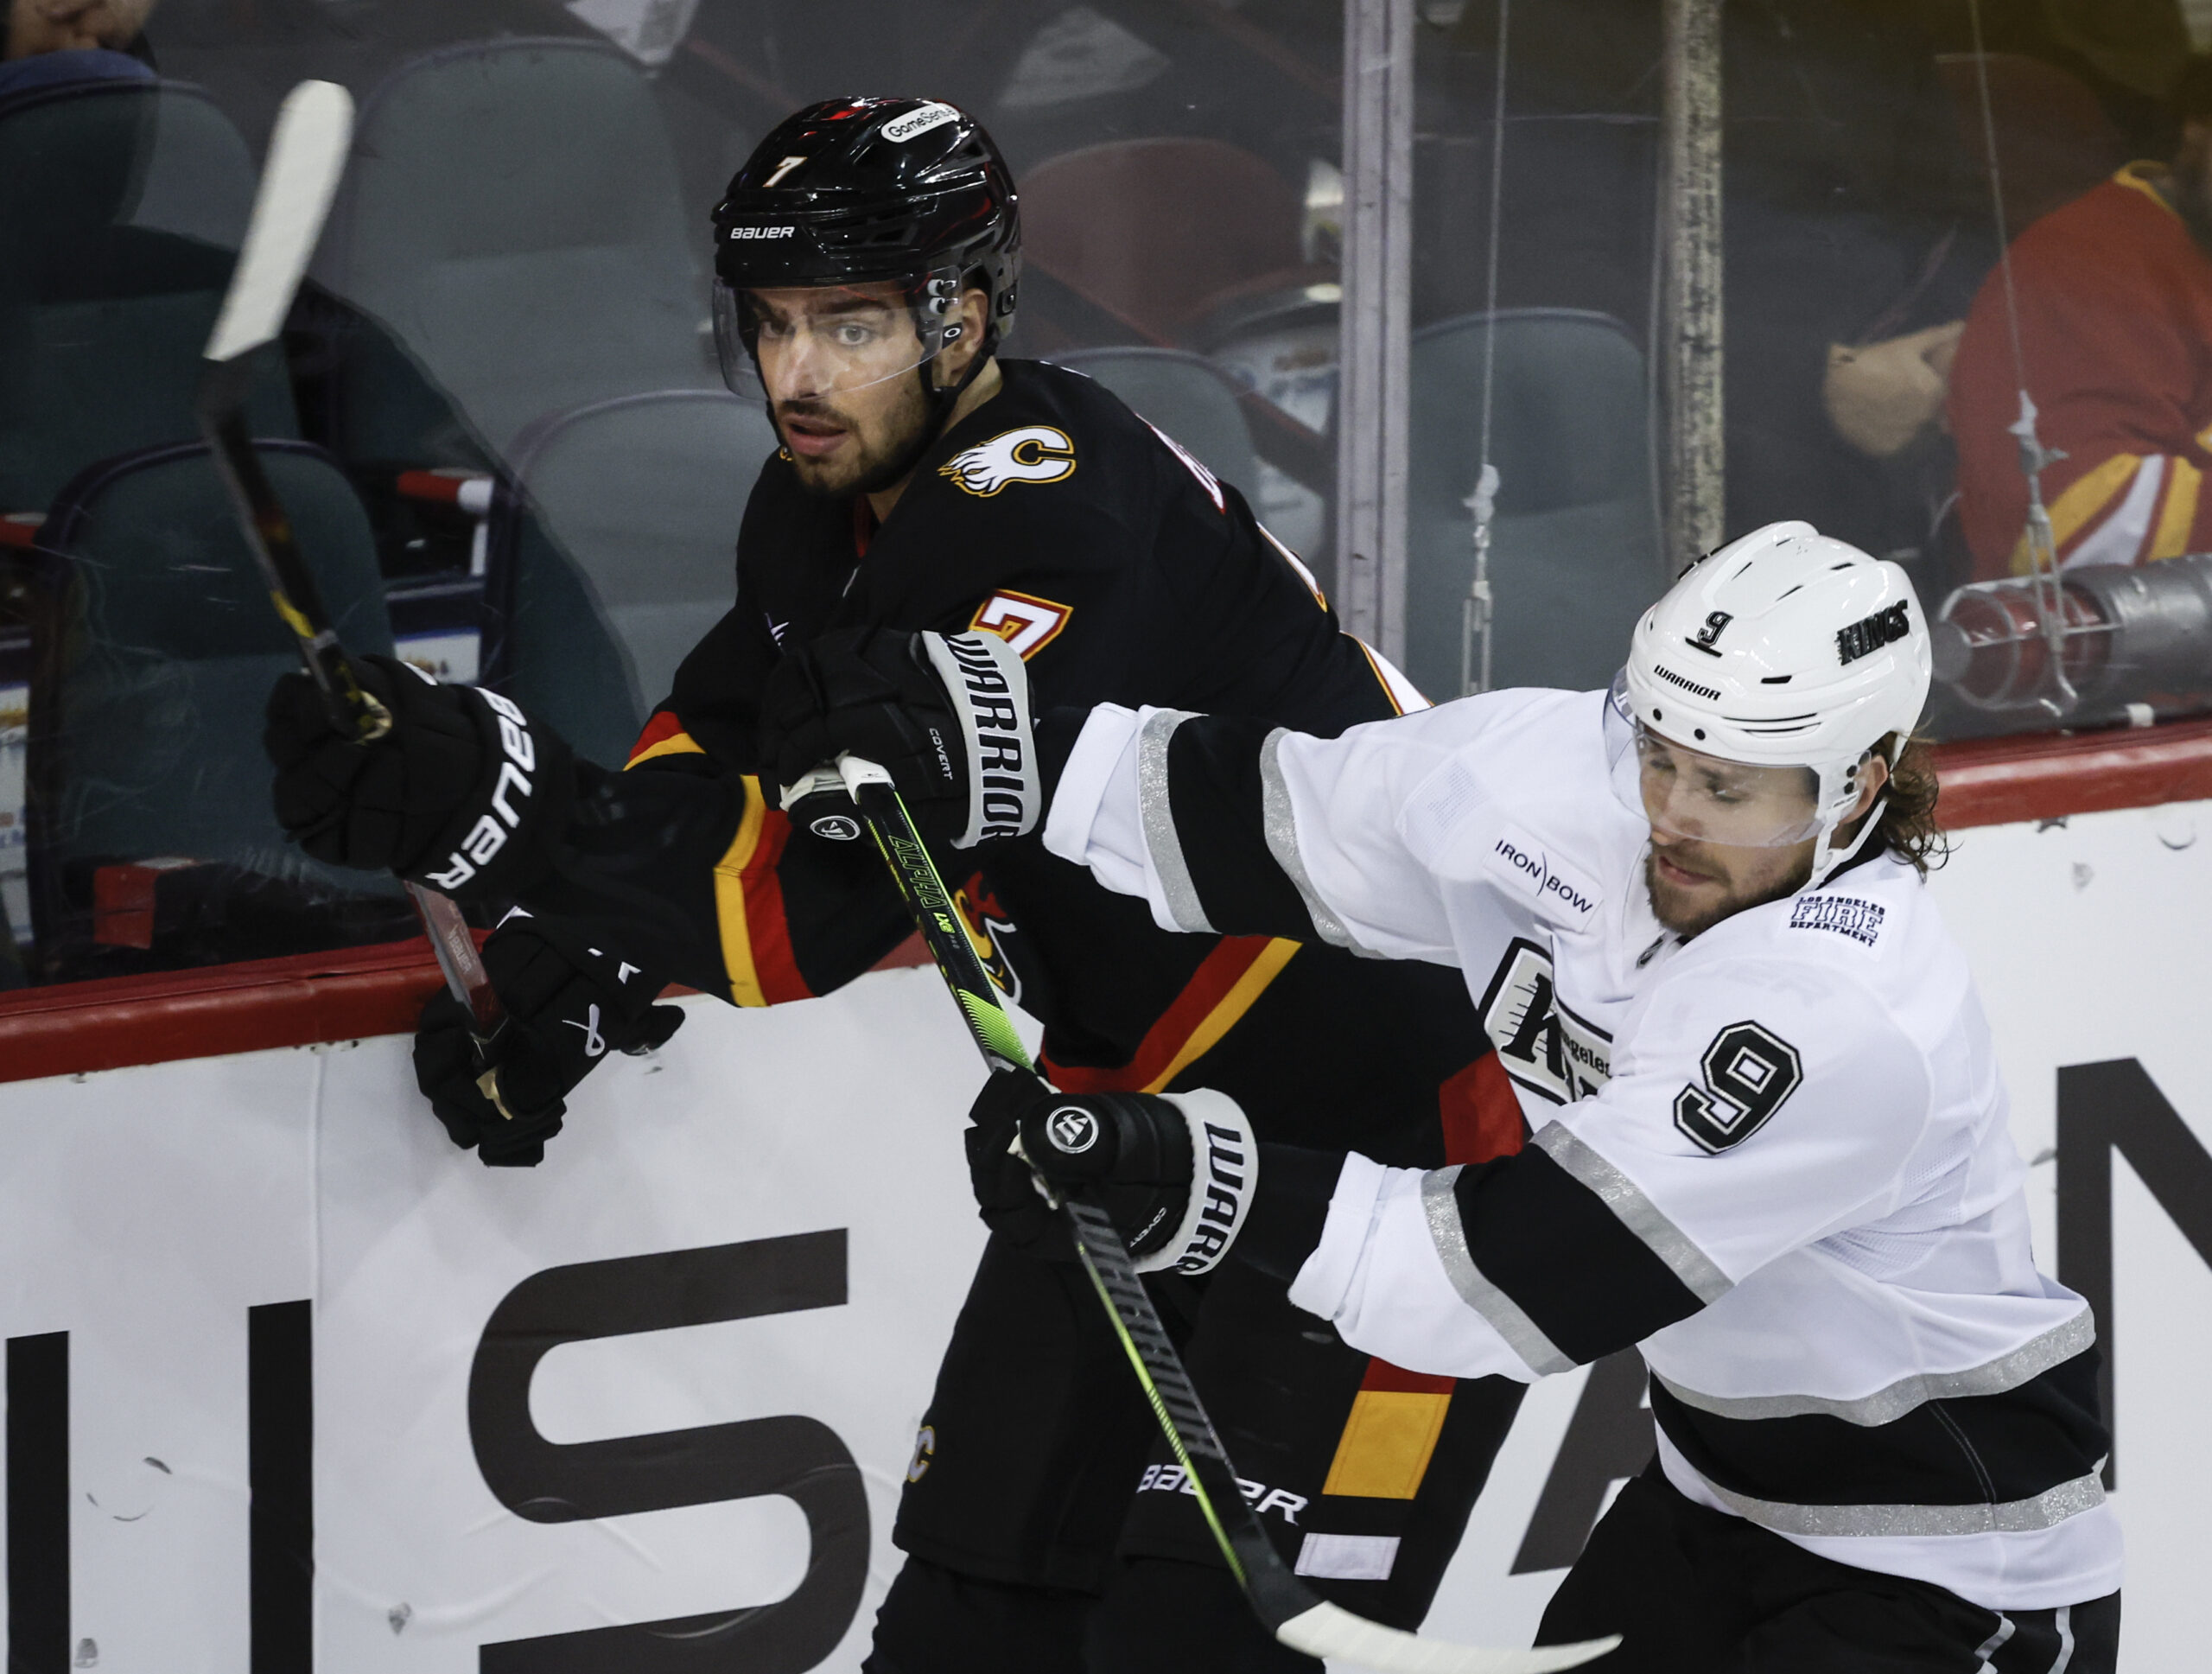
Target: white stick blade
(1328, 1631)
(307, 154)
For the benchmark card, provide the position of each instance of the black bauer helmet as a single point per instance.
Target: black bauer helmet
(909, 192)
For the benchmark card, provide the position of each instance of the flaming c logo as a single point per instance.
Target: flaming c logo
(1035, 453)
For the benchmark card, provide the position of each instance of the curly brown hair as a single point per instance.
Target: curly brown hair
(1908, 826)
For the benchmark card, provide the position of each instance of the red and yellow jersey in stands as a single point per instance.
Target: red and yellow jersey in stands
(1124, 572)
(2114, 301)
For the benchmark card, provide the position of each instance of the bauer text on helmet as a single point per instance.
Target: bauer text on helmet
(904, 199)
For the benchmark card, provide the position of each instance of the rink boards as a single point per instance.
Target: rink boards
(546, 1404)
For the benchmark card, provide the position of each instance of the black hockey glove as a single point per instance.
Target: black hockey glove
(946, 715)
(1138, 1153)
(567, 1005)
(456, 795)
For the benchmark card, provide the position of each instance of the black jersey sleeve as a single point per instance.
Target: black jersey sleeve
(685, 862)
(691, 871)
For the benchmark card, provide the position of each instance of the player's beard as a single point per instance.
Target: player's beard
(1673, 907)
(879, 455)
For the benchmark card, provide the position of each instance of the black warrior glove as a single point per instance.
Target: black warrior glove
(946, 715)
(455, 795)
(1140, 1153)
(567, 1005)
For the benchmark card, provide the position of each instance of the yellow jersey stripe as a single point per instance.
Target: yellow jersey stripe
(2072, 511)
(680, 743)
(1387, 1443)
(2178, 516)
(1229, 1011)
(729, 899)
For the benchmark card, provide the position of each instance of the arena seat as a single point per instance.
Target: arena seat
(1158, 232)
(512, 211)
(1186, 396)
(629, 559)
(122, 204)
(1574, 547)
(155, 648)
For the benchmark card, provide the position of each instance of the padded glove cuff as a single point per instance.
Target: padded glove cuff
(1225, 1177)
(989, 690)
(526, 779)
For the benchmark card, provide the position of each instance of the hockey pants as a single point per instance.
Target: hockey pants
(1696, 1591)
(1047, 1530)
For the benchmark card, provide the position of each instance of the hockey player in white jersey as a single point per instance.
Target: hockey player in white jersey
(1769, 1142)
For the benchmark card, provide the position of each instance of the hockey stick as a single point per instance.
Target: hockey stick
(1292, 1612)
(307, 153)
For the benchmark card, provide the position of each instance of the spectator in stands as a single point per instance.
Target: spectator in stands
(1851, 232)
(45, 42)
(2113, 295)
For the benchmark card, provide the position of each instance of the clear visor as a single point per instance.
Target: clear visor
(1684, 792)
(818, 342)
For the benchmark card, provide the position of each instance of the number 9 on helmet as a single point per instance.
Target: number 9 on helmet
(1757, 687)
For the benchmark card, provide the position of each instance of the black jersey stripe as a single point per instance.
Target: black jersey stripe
(1279, 822)
(1562, 1255)
(2005, 1449)
(2013, 1516)
(1440, 1204)
(1696, 1270)
(1156, 808)
(1993, 1376)
(1203, 822)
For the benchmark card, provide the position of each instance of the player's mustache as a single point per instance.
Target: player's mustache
(1686, 853)
(802, 407)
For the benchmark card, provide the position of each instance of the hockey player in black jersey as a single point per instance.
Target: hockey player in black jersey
(1771, 1148)
(868, 257)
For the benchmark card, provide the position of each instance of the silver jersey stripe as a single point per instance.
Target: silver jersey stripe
(1520, 1333)
(2009, 1371)
(1699, 1276)
(1160, 838)
(2013, 1517)
(1281, 824)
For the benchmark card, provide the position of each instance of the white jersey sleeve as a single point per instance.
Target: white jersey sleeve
(1757, 1104)
(1189, 820)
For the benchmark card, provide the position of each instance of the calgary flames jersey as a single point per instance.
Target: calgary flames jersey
(1124, 572)
(2114, 298)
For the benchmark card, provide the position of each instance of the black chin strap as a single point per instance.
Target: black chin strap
(943, 401)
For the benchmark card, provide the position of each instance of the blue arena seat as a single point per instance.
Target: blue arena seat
(1185, 394)
(629, 558)
(1575, 554)
(154, 646)
(122, 204)
(512, 211)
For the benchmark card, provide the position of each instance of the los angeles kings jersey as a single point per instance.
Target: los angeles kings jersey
(1124, 572)
(1775, 1158)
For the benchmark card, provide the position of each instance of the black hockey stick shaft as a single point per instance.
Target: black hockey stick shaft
(307, 152)
(1275, 1593)
(1292, 1611)
(351, 708)
(276, 548)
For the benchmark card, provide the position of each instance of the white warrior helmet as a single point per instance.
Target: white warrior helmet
(1783, 650)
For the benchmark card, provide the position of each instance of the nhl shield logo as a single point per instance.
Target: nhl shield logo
(1072, 1129)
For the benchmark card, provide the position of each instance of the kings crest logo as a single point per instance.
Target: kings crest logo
(1544, 1047)
(1035, 453)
